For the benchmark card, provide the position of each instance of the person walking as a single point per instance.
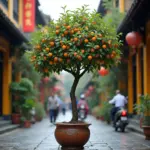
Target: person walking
(52, 107)
(119, 101)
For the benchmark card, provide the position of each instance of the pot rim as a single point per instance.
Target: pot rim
(72, 124)
(145, 126)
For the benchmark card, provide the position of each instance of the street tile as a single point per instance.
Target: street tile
(41, 137)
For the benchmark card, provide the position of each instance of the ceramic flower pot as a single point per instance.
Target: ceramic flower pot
(27, 124)
(146, 130)
(72, 136)
(16, 118)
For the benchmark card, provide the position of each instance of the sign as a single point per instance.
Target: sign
(28, 15)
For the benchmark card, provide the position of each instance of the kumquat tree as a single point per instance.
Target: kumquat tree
(78, 42)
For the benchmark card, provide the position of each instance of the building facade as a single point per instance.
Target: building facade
(11, 35)
(137, 19)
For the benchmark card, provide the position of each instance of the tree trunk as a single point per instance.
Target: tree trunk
(73, 100)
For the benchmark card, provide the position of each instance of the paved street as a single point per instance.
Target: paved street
(41, 137)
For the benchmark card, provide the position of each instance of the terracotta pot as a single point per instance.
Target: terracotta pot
(72, 136)
(102, 118)
(16, 118)
(38, 118)
(27, 124)
(147, 132)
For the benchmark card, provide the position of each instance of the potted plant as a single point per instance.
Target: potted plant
(16, 103)
(20, 92)
(78, 42)
(144, 108)
(26, 108)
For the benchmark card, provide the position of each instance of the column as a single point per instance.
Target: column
(130, 85)
(138, 75)
(121, 6)
(18, 77)
(7, 77)
(147, 61)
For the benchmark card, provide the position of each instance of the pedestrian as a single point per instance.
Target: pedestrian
(52, 107)
(83, 102)
(119, 101)
(63, 107)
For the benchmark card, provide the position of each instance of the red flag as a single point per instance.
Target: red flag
(28, 15)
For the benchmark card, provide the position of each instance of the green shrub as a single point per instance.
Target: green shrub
(39, 108)
(105, 111)
(26, 108)
(144, 108)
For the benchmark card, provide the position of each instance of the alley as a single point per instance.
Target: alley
(41, 137)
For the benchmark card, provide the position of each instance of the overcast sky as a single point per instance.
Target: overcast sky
(53, 7)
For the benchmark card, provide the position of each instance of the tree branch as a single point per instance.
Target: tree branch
(69, 71)
(84, 71)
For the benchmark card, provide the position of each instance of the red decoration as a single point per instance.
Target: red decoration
(46, 79)
(134, 39)
(87, 93)
(103, 71)
(28, 15)
(91, 88)
(56, 89)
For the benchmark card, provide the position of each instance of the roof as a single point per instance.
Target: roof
(136, 16)
(101, 8)
(11, 29)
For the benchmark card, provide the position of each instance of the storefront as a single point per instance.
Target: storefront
(137, 19)
(10, 37)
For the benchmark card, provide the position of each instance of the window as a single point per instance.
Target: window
(4, 3)
(16, 9)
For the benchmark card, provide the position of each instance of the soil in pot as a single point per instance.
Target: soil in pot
(72, 136)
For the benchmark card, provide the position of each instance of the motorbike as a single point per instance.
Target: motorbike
(82, 112)
(121, 120)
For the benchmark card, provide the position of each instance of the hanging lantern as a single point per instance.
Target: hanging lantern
(87, 93)
(103, 71)
(134, 39)
(46, 79)
(91, 88)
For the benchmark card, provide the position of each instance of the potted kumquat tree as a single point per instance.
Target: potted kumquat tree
(78, 42)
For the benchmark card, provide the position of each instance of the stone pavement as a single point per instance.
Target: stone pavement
(41, 137)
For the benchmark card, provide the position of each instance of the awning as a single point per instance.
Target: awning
(136, 17)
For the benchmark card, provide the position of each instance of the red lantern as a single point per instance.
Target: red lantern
(46, 79)
(134, 39)
(87, 93)
(103, 71)
(56, 89)
(91, 88)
